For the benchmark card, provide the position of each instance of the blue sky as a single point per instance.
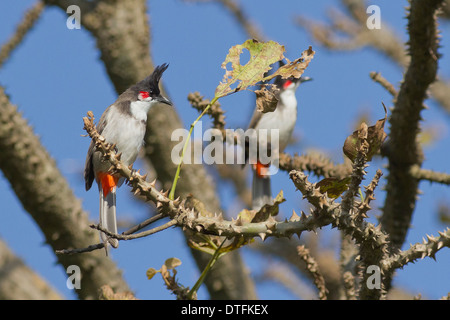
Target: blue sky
(55, 77)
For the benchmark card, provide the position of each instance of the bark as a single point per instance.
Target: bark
(19, 282)
(404, 151)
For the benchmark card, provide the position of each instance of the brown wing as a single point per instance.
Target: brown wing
(89, 167)
(255, 119)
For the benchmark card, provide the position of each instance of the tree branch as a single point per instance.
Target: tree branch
(27, 23)
(404, 150)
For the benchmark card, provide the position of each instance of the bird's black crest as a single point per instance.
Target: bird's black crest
(151, 83)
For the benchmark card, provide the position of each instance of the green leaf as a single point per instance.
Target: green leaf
(334, 186)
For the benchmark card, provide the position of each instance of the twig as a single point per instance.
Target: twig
(144, 223)
(358, 171)
(349, 285)
(313, 269)
(429, 247)
(81, 250)
(101, 245)
(377, 77)
(214, 111)
(430, 175)
(369, 196)
(167, 225)
(26, 25)
(315, 163)
(384, 40)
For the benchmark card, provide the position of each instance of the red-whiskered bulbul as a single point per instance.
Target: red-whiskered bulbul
(282, 119)
(123, 123)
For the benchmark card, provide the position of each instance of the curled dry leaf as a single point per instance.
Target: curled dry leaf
(266, 100)
(375, 138)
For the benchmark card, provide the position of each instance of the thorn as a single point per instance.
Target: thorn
(294, 216)
(119, 156)
(144, 177)
(303, 216)
(262, 235)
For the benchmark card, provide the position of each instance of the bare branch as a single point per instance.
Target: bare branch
(315, 163)
(28, 21)
(429, 175)
(312, 267)
(377, 77)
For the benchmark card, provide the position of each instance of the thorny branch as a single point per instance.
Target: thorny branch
(370, 238)
(326, 212)
(25, 25)
(313, 269)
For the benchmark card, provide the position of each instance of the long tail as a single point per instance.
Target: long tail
(261, 192)
(108, 214)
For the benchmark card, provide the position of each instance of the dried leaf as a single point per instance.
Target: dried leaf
(375, 138)
(172, 263)
(269, 209)
(266, 99)
(262, 56)
(295, 68)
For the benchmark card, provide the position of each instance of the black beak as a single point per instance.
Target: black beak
(164, 100)
(304, 79)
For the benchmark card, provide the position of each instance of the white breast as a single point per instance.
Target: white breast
(127, 131)
(283, 118)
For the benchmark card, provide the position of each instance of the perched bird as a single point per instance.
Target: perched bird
(123, 123)
(282, 119)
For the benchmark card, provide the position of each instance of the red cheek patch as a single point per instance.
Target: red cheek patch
(287, 84)
(144, 94)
